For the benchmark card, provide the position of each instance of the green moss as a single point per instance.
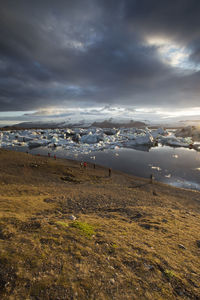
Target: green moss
(169, 274)
(85, 228)
(63, 224)
(115, 245)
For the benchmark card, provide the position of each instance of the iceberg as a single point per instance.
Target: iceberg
(38, 143)
(176, 141)
(189, 131)
(91, 138)
(159, 132)
(140, 139)
(85, 140)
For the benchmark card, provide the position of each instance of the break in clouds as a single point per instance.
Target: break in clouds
(84, 53)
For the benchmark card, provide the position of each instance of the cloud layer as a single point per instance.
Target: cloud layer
(137, 53)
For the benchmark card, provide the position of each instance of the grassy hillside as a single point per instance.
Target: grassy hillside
(130, 240)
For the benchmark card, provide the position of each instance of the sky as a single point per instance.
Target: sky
(95, 59)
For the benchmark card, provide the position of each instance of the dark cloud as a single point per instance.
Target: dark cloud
(59, 53)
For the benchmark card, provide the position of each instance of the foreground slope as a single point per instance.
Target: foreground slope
(131, 239)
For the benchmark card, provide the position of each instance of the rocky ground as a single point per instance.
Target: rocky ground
(72, 233)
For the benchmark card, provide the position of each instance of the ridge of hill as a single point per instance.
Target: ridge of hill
(130, 240)
(112, 124)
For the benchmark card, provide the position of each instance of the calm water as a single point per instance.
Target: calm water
(176, 166)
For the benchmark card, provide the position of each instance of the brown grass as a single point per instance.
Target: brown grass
(124, 243)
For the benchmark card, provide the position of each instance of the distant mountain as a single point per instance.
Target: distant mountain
(64, 124)
(27, 125)
(45, 125)
(109, 124)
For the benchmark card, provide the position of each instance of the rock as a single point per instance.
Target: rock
(137, 216)
(146, 226)
(181, 246)
(198, 243)
(164, 221)
(48, 200)
(180, 293)
(148, 267)
(34, 166)
(112, 280)
(72, 217)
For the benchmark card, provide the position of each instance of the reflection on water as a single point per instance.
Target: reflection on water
(176, 166)
(144, 148)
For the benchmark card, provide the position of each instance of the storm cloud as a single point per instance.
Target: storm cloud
(139, 53)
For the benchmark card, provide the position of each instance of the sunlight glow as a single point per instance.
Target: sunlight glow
(195, 111)
(172, 53)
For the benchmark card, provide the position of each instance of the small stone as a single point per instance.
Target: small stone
(146, 226)
(72, 217)
(137, 216)
(148, 267)
(112, 280)
(181, 246)
(164, 221)
(181, 293)
(198, 243)
(48, 200)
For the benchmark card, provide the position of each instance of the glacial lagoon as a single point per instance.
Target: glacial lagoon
(175, 166)
(140, 152)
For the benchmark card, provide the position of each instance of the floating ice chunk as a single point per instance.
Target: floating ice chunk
(198, 169)
(168, 176)
(141, 139)
(37, 143)
(15, 142)
(110, 131)
(34, 133)
(6, 144)
(91, 138)
(196, 146)
(54, 139)
(160, 131)
(175, 155)
(175, 141)
(24, 138)
(156, 168)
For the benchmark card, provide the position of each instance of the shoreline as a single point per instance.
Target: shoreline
(102, 166)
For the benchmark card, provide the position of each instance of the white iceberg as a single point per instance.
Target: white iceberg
(140, 139)
(159, 132)
(91, 138)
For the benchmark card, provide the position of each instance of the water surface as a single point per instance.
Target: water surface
(176, 166)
